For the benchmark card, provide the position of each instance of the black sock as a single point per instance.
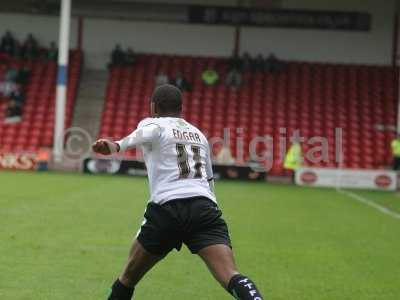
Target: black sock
(120, 292)
(242, 288)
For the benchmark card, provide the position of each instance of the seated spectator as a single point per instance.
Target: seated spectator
(246, 62)
(30, 48)
(234, 62)
(52, 53)
(130, 57)
(273, 64)
(23, 75)
(7, 88)
(11, 74)
(210, 76)
(7, 44)
(17, 53)
(259, 64)
(233, 78)
(117, 56)
(161, 78)
(18, 96)
(31, 40)
(181, 82)
(13, 113)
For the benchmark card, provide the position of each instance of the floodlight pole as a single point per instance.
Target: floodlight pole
(62, 79)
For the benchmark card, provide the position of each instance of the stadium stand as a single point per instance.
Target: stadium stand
(315, 98)
(36, 128)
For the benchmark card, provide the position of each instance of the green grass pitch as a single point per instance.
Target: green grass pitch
(65, 236)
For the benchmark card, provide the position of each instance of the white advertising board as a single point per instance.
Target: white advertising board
(346, 178)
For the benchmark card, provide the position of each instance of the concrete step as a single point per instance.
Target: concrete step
(89, 106)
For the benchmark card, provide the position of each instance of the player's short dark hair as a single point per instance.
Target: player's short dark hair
(168, 99)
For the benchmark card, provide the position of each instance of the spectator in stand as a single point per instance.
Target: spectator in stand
(7, 44)
(233, 79)
(23, 75)
(7, 88)
(117, 56)
(31, 40)
(130, 57)
(273, 64)
(17, 50)
(52, 53)
(259, 64)
(30, 48)
(210, 76)
(395, 145)
(13, 113)
(11, 74)
(246, 62)
(181, 82)
(18, 96)
(234, 62)
(161, 78)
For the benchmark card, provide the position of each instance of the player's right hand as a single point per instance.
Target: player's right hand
(104, 147)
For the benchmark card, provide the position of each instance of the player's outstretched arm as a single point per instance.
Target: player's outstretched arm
(140, 136)
(105, 147)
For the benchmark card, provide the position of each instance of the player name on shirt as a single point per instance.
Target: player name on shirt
(186, 135)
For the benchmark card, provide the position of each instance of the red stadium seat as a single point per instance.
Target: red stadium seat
(36, 128)
(313, 98)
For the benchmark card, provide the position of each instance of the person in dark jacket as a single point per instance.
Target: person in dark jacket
(52, 53)
(23, 75)
(18, 96)
(7, 44)
(117, 56)
(181, 82)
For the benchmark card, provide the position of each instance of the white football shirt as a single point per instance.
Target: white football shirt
(177, 158)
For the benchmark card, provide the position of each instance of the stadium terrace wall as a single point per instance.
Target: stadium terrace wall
(45, 28)
(100, 36)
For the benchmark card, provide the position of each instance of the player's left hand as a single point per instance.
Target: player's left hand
(105, 147)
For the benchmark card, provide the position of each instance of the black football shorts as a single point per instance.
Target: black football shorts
(196, 222)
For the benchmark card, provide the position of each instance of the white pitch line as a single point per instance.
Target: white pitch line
(370, 203)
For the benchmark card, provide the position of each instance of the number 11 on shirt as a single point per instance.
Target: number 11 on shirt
(183, 161)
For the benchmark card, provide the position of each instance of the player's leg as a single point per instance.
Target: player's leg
(220, 261)
(156, 238)
(140, 261)
(210, 239)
